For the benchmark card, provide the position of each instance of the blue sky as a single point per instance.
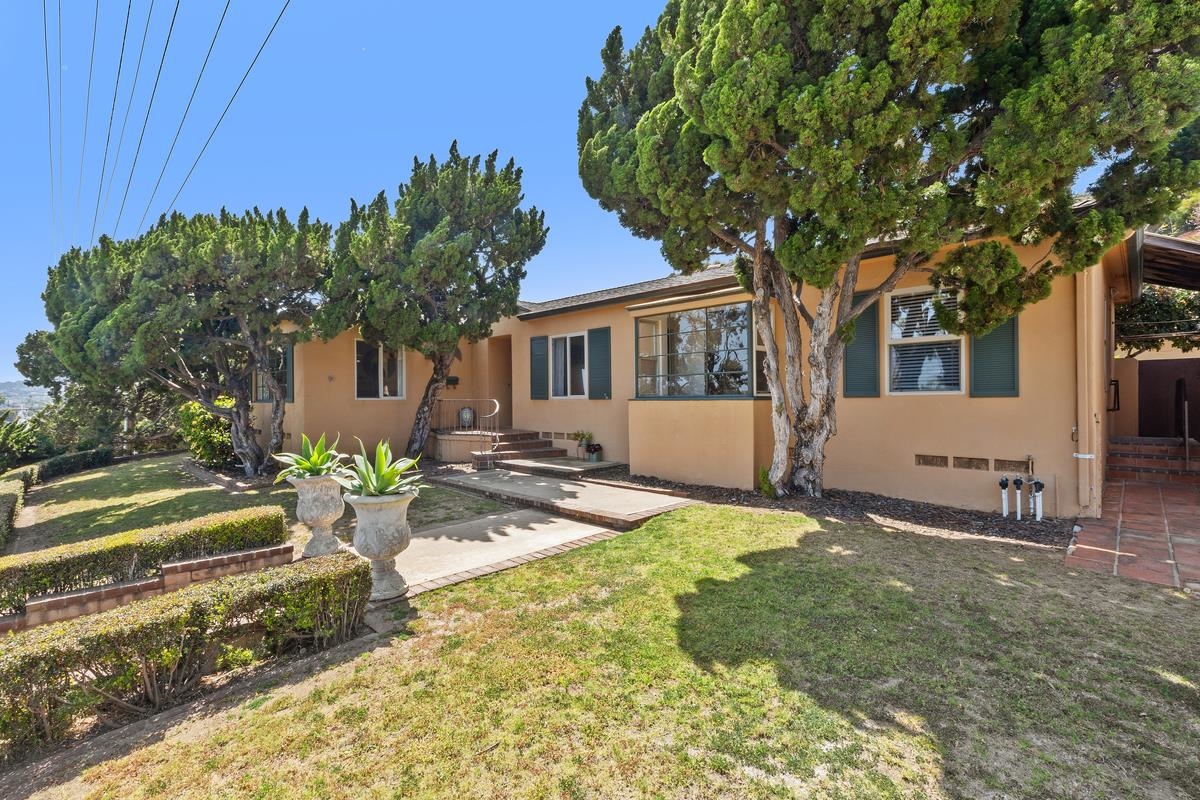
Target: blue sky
(343, 97)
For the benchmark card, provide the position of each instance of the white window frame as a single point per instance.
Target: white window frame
(401, 373)
(759, 347)
(550, 366)
(888, 342)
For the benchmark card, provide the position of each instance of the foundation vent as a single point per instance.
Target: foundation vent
(932, 461)
(1007, 465)
(961, 462)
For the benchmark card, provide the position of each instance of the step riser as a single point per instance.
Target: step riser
(1153, 476)
(1135, 461)
(480, 458)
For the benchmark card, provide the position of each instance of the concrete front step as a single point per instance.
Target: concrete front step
(514, 436)
(555, 467)
(491, 457)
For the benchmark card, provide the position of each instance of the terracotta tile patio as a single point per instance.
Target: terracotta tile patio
(1147, 532)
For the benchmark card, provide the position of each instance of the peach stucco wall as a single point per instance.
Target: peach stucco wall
(325, 401)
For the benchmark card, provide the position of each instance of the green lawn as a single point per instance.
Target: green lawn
(138, 494)
(720, 652)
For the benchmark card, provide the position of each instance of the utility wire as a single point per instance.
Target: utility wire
(242, 82)
(128, 107)
(111, 113)
(49, 123)
(61, 131)
(87, 115)
(186, 109)
(149, 106)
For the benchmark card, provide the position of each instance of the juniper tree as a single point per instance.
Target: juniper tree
(790, 135)
(197, 304)
(438, 266)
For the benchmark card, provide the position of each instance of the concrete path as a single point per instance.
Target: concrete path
(615, 507)
(514, 536)
(1147, 532)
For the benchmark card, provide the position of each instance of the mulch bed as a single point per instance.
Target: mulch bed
(847, 506)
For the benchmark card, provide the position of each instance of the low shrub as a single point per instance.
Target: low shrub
(149, 654)
(12, 497)
(68, 463)
(133, 554)
(207, 436)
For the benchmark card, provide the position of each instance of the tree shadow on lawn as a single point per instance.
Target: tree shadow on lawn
(1005, 673)
(58, 765)
(116, 481)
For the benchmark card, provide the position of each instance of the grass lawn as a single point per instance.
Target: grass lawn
(139, 494)
(721, 652)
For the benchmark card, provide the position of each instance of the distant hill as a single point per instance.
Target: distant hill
(27, 400)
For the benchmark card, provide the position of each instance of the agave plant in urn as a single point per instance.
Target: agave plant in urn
(380, 491)
(314, 471)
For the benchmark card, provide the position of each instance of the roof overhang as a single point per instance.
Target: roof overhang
(1167, 261)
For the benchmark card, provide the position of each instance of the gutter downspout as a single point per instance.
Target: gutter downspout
(1085, 445)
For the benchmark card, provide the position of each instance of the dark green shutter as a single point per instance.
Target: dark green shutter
(994, 362)
(860, 371)
(539, 368)
(289, 366)
(599, 363)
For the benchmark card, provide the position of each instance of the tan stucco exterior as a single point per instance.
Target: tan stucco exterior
(1058, 425)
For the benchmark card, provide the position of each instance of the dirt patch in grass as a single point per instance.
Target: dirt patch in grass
(720, 653)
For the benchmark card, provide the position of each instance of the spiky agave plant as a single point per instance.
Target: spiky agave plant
(383, 475)
(313, 460)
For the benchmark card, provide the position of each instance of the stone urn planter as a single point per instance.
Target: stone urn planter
(319, 504)
(381, 534)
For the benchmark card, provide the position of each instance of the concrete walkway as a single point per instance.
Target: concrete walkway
(616, 507)
(1147, 532)
(441, 556)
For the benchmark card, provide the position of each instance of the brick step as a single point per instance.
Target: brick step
(1152, 475)
(1151, 446)
(525, 445)
(1153, 461)
(518, 436)
(483, 457)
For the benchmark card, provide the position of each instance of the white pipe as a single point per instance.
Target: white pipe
(1038, 486)
(1032, 492)
(1004, 496)
(1017, 483)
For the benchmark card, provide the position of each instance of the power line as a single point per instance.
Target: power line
(49, 122)
(87, 115)
(61, 130)
(112, 113)
(149, 106)
(186, 109)
(128, 107)
(242, 82)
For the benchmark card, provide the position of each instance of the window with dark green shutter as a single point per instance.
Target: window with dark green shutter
(599, 353)
(994, 362)
(539, 368)
(860, 366)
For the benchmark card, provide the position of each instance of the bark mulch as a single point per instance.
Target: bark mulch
(890, 512)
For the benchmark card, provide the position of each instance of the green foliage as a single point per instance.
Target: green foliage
(149, 654)
(206, 435)
(383, 475)
(312, 460)
(1162, 316)
(440, 265)
(991, 286)
(39, 365)
(765, 488)
(134, 554)
(69, 463)
(18, 440)
(12, 497)
(195, 304)
(139, 418)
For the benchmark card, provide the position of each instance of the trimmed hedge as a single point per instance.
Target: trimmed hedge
(134, 554)
(149, 654)
(12, 497)
(68, 463)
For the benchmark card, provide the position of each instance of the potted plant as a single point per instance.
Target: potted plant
(380, 491)
(583, 439)
(314, 472)
(594, 451)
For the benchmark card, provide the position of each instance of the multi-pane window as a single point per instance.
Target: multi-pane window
(760, 366)
(378, 372)
(922, 357)
(568, 365)
(281, 368)
(702, 352)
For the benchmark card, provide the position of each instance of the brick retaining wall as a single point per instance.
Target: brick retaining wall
(172, 576)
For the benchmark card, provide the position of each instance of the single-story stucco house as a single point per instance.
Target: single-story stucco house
(665, 374)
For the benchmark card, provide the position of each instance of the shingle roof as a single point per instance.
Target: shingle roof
(717, 276)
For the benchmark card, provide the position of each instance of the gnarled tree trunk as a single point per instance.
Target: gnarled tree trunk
(423, 419)
(245, 442)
